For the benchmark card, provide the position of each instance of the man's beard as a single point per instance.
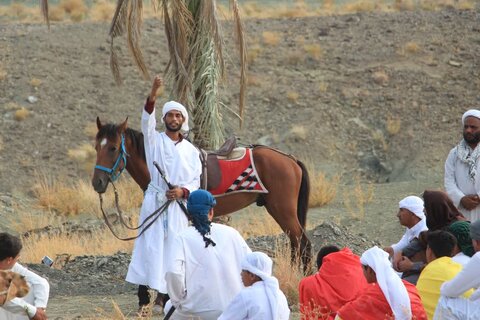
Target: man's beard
(472, 138)
(169, 128)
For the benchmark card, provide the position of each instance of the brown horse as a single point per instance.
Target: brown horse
(285, 178)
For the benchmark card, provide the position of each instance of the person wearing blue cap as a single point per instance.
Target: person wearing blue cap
(203, 269)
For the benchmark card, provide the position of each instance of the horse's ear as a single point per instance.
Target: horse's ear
(99, 124)
(123, 126)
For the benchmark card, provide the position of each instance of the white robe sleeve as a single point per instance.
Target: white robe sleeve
(450, 181)
(38, 285)
(175, 275)
(19, 306)
(237, 309)
(283, 309)
(402, 244)
(467, 278)
(148, 125)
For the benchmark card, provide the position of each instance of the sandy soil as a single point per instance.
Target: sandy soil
(375, 96)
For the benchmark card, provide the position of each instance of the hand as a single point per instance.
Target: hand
(404, 265)
(397, 257)
(40, 314)
(389, 250)
(174, 194)
(157, 83)
(470, 201)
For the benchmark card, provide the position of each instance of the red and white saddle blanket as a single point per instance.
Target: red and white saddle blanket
(239, 175)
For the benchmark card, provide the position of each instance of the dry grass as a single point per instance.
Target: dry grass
(56, 13)
(3, 73)
(314, 51)
(80, 198)
(34, 82)
(295, 57)
(98, 243)
(323, 190)
(21, 114)
(1, 143)
(254, 222)
(91, 130)
(299, 132)
(270, 38)
(381, 78)
(292, 96)
(85, 156)
(323, 87)
(379, 138)
(253, 52)
(356, 199)
(393, 125)
(102, 11)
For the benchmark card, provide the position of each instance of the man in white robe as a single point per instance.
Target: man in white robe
(33, 305)
(262, 298)
(462, 168)
(451, 305)
(180, 162)
(203, 274)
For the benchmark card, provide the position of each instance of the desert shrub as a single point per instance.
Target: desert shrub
(21, 114)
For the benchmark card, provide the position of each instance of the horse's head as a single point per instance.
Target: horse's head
(111, 154)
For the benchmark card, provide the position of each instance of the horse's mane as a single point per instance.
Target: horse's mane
(110, 131)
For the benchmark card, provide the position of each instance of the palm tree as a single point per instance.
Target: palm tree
(196, 65)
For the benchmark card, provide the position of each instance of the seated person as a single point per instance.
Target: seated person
(440, 268)
(386, 295)
(463, 250)
(440, 210)
(413, 259)
(261, 299)
(338, 280)
(33, 305)
(451, 305)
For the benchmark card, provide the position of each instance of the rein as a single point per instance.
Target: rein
(121, 156)
(153, 217)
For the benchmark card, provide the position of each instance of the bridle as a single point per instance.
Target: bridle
(122, 155)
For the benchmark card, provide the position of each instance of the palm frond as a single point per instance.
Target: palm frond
(44, 8)
(117, 29)
(243, 57)
(134, 25)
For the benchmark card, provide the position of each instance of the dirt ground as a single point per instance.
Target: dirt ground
(372, 96)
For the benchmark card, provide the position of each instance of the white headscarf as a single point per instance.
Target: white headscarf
(413, 204)
(260, 265)
(173, 105)
(471, 113)
(389, 282)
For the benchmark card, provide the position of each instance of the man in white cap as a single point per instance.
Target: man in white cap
(410, 215)
(386, 296)
(451, 304)
(180, 162)
(462, 173)
(261, 299)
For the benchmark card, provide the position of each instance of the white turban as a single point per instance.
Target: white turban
(471, 113)
(389, 282)
(173, 105)
(260, 265)
(413, 204)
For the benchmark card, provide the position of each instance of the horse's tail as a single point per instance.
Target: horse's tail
(303, 196)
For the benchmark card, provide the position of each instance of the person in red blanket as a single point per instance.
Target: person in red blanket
(338, 280)
(386, 296)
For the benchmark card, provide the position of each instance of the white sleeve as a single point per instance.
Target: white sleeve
(38, 285)
(149, 124)
(283, 310)
(20, 307)
(175, 275)
(467, 278)
(237, 309)
(402, 244)
(450, 181)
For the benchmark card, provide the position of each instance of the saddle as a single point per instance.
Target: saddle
(211, 173)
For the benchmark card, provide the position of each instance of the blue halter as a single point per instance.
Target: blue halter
(121, 156)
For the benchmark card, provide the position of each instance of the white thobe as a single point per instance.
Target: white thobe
(458, 184)
(461, 258)
(180, 163)
(409, 235)
(26, 307)
(252, 303)
(467, 278)
(203, 281)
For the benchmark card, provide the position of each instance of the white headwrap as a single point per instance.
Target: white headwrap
(389, 282)
(260, 265)
(413, 204)
(471, 113)
(173, 105)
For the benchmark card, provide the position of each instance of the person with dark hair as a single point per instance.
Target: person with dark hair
(204, 266)
(452, 305)
(338, 280)
(440, 210)
(462, 173)
(33, 305)
(440, 268)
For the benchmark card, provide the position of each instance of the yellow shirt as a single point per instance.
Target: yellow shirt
(431, 279)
